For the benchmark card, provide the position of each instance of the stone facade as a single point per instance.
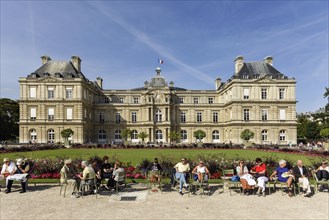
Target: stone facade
(58, 96)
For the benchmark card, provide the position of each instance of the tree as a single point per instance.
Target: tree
(9, 118)
(313, 130)
(126, 133)
(326, 95)
(66, 133)
(174, 136)
(199, 135)
(142, 135)
(247, 134)
(324, 133)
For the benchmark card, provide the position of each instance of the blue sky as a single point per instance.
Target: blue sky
(121, 41)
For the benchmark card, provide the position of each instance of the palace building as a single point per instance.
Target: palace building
(58, 95)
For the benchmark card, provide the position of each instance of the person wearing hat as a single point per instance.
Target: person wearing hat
(68, 177)
(22, 168)
(8, 168)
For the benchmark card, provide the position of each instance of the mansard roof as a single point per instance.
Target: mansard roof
(58, 69)
(258, 69)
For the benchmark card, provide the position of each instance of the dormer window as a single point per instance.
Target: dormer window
(245, 76)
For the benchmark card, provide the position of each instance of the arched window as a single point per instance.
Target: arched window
(134, 135)
(101, 135)
(282, 135)
(215, 136)
(158, 116)
(51, 136)
(183, 135)
(158, 135)
(33, 135)
(264, 135)
(117, 135)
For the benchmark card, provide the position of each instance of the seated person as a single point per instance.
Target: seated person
(301, 175)
(322, 173)
(68, 176)
(97, 171)
(284, 175)
(259, 173)
(116, 174)
(201, 172)
(88, 176)
(155, 166)
(8, 168)
(247, 181)
(22, 168)
(106, 169)
(182, 168)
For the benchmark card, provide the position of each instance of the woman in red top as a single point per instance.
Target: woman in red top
(259, 172)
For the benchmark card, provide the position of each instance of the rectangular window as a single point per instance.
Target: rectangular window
(246, 115)
(68, 93)
(136, 100)
(264, 93)
(107, 100)
(33, 114)
(182, 117)
(51, 112)
(215, 117)
(264, 114)
(196, 100)
(245, 93)
(117, 117)
(282, 114)
(101, 117)
(51, 93)
(121, 99)
(33, 92)
(210, 100)
(181, 100)
(281, 93)
(85, 114)
(199, 117)
(134, 117)
(69, 115)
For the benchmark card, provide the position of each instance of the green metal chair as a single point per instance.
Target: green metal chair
(200, 185)
(151, 174)
(318, 182)
(226, 177)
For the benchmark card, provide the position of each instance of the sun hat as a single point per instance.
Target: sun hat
(19, 161)
(68, 161)
(6, 160)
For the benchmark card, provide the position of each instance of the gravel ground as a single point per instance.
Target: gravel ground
(44, 202)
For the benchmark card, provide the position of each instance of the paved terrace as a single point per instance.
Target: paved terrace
(44, 202)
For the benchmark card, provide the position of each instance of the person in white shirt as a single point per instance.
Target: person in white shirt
(322, 173)
(246, 179)
(8, 169)
(201, 172)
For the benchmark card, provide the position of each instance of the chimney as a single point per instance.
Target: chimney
(269, 60)
(45, 59)
(238, 64)
(171, 84)
(99, 82)
(218, 83)
(76, 61)
(146, 84)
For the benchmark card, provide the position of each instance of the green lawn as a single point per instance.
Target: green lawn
(135, 156)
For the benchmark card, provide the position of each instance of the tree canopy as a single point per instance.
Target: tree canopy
(66, 133)
(199, 134)
(247, 134)
(9, 118)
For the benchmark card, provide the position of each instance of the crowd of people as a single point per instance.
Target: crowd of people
(92, 175)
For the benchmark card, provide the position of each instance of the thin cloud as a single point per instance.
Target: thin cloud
(144, 38)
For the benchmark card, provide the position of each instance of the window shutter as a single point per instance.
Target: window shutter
(33, 112)
(69, 113)
(282, 114)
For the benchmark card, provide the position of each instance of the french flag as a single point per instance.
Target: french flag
(160, 61)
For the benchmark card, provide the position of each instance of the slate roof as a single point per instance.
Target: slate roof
(258, 69)
(62, 69)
